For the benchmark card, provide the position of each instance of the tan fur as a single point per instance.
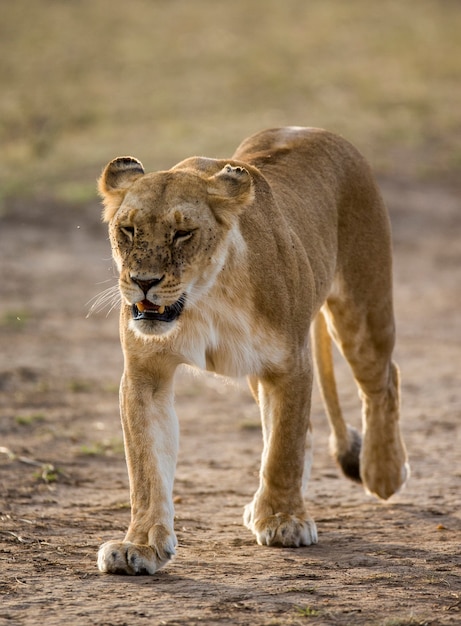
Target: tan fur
(292, 229)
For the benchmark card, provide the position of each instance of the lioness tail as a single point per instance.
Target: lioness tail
(345, 441)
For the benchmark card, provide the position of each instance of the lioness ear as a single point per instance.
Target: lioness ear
(115, 180)
(229, 191)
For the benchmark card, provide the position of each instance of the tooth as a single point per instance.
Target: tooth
(140, 306)
(161, 310)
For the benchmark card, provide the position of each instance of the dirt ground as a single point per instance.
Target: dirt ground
(63, 482)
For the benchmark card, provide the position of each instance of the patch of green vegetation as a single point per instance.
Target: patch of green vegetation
(76, 192)
(249, 424)
(30, 420)
(14, 320)
(307, 611)
(103, 448)
(122, 506)
(48, 473)
(92, 449)
(80, 386)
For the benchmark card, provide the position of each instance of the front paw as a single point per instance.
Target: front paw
(125, 557)
(281, 529)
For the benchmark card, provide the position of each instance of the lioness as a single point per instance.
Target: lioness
(226, 265)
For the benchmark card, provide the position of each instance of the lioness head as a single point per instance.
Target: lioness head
(170, 233)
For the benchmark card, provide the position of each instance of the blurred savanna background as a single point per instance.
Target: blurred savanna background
(84, 81)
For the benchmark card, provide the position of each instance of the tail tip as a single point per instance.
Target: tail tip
(349, 457)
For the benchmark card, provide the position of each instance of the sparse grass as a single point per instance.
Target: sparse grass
(436, 580)
(30, 419)
(250, 424)
(75, 192)
(14, 320)
(80, 386)
(111, 82)
(307, 611)
(48, 473)
(45, 471)
(301, 589)
(92, 449)
(102, 448)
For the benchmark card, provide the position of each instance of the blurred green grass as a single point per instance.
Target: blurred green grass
(85, 81)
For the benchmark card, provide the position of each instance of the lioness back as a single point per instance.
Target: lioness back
(325, 196)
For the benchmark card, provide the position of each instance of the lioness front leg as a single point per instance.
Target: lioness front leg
(151, 441)
(277, 514)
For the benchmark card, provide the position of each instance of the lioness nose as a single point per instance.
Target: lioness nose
(146, 284)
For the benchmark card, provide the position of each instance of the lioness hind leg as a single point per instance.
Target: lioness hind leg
(360, 317)
(365, 334)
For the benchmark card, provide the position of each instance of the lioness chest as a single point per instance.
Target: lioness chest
(230, 343)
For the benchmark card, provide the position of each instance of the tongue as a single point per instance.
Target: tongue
(145, 305)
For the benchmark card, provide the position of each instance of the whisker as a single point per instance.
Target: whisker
(108, 298)
(102, 282)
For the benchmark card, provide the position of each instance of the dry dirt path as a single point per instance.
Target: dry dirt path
(63, 484)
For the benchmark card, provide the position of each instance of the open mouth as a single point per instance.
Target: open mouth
(145, 310)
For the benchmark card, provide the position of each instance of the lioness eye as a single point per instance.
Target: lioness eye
(182, 235)
(128, 231)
